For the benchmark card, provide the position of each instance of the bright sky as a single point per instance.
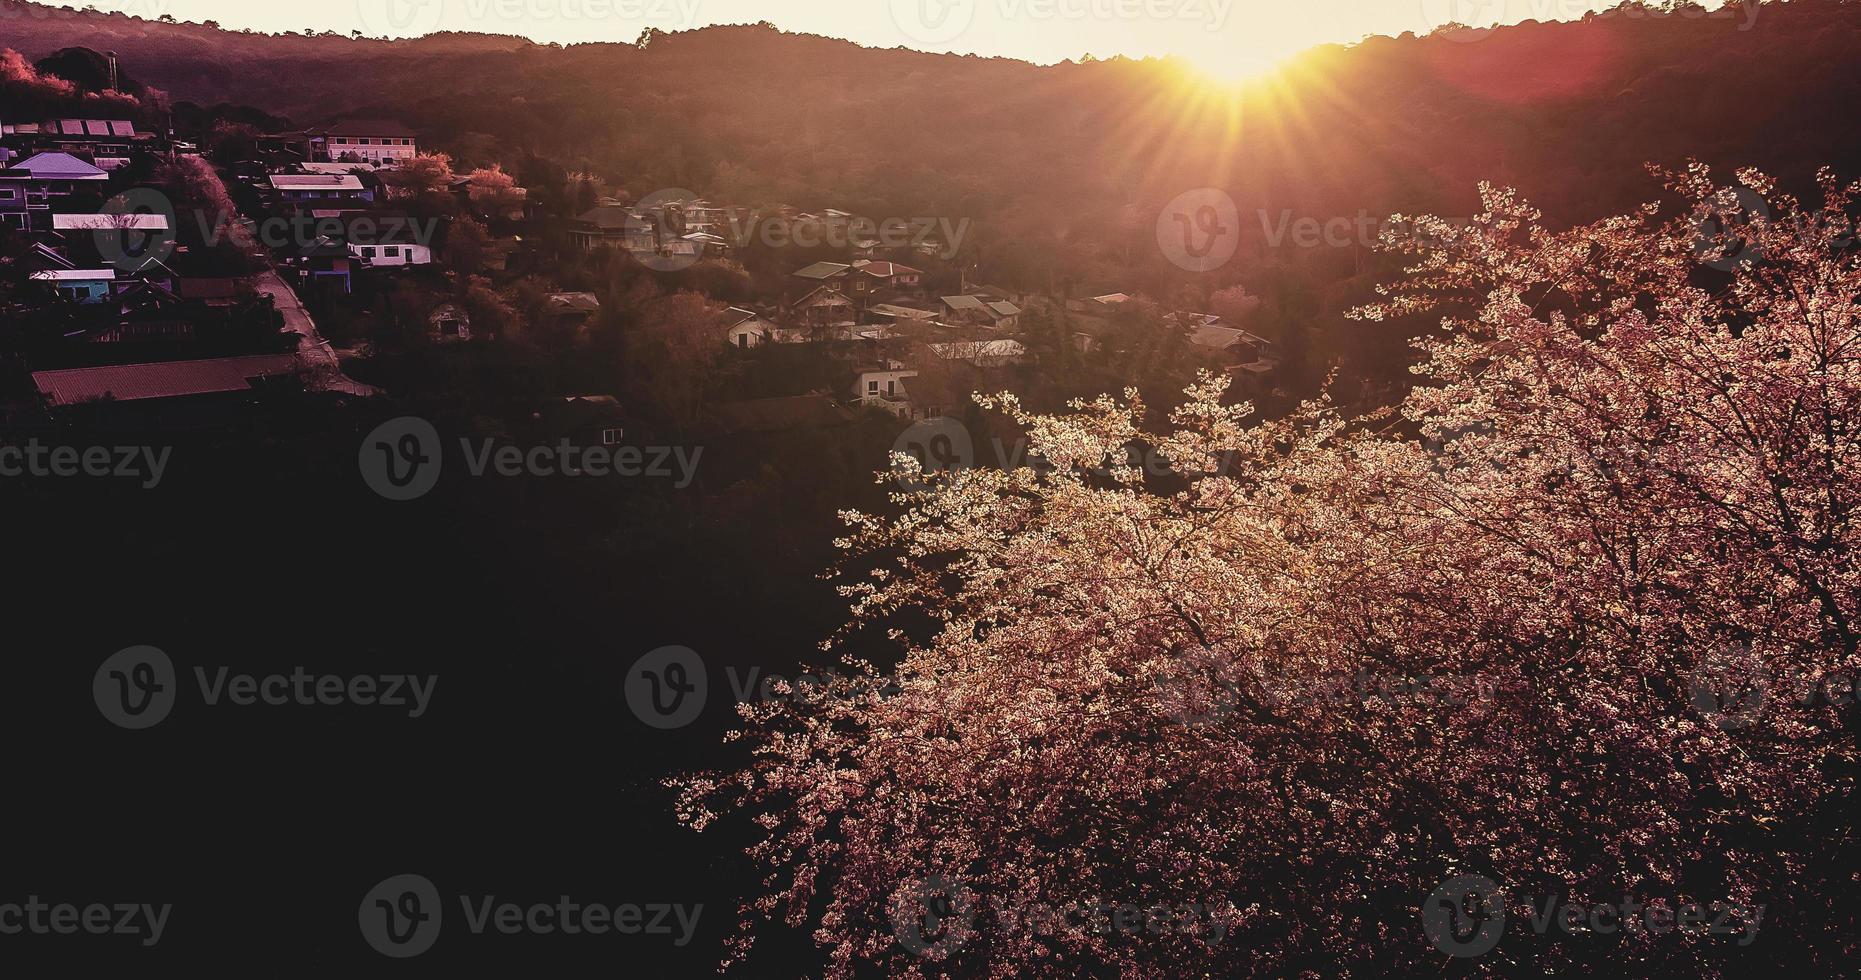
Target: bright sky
(1234, 37)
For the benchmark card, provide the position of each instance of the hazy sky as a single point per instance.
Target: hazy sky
(1238, 34)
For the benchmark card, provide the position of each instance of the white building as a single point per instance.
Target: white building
(375, 141)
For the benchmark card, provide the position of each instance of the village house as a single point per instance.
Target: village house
(325, 264)
(320, 188)
(449, 322)
(222, 380)
(54, 176)
(888, 275)
(107, 143)
(883, 386)
(88, 286)
(14, 211)
(385, 240)
(375, 141)
(823, 312)
(570, 312)
(747, 328)
(613, 224)
(980, 311)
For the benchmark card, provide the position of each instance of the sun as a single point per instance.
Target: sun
(1232, 69)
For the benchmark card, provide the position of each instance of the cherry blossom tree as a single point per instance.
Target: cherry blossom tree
(1573, 618)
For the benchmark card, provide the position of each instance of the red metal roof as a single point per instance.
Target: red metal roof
(168, 379)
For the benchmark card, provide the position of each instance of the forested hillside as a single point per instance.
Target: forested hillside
(1064, 168)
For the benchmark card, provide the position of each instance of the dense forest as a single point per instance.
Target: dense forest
(1063, 168)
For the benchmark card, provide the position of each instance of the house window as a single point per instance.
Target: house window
(743, 340)
(891, 387)
(8, 194)
(610, 437)
(390, 252)
(368, 251)
(872, 387)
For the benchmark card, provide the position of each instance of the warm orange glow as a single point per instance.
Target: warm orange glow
(1233, 70)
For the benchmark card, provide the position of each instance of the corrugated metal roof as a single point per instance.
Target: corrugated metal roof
(169, 379)
(341, 182)
(53, 165)
(76, 275)
(823, 270)
(109, 222)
